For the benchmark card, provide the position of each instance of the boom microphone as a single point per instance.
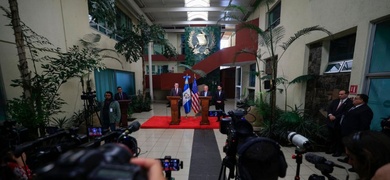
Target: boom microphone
(315, 159)
(133, 127)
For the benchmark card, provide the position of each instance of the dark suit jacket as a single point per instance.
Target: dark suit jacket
(179, 92)
(218, 97)
(357, 119)
(209, 93)
(124, 96)
(332, 109)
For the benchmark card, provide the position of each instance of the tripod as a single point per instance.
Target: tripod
(298, 159)
(227, 162)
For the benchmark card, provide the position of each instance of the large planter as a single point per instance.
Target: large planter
(255, 118)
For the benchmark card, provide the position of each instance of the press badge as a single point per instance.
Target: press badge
(110, 109)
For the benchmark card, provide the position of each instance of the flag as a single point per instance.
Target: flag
(186, 95)
(195, 97)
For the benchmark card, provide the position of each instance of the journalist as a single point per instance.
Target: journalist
(367, 152)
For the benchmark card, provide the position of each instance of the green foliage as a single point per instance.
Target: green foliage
(103, 11)
(140, 104)
(63, 122)
(294, 121)
(57, 68)
(135, 40)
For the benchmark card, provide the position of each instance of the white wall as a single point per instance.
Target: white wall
(63, 22)
(336, 16)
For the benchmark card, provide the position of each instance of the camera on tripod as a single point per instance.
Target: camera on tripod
(89, 95)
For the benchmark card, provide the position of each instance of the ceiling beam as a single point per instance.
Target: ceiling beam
(195, 22)
(182, 30)
(183, 9)
(139, 11)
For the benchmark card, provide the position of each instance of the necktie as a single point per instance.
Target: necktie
(219, 93)
(177, 93)
(341, 102)
(120, 96)
(205, 93)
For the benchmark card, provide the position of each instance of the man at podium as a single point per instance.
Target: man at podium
(176, 91)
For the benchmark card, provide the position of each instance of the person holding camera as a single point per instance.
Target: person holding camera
(153, 167)
(111, 113)
(367, 151)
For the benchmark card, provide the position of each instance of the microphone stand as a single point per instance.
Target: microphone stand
(298, 159)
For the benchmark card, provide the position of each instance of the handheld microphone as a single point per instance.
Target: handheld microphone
(315, 159)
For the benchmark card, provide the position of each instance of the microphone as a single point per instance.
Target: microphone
(315, 159)
(133, 127)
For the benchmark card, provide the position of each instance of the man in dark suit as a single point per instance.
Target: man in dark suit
(176, 91)
(358, 118)
(219, 99)
(335, 110)
(205, 91)
(120, 95)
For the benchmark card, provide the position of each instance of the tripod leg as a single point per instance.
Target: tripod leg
(223, 170)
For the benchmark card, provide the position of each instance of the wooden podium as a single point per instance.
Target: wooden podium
(174, 100)
(124, 105)
(205, 109)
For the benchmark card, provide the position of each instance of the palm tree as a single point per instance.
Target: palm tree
(135, 41)
(20, 46)
(270, 40)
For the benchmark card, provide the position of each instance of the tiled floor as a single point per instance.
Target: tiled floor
(157, 143)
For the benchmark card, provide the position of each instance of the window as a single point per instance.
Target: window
(157, 69)
(238, 82)
(340, 66)
(379, 73)
(122, 20)
(252, 75)
(342, 48)
(182, 45)
(341, 54)
(274, 16)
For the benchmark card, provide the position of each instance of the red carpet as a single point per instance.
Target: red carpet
(162, 122)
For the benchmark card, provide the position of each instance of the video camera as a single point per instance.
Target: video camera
(325, 166)
(110, 161)
(89, 95)
(237, 129)
(93, 161)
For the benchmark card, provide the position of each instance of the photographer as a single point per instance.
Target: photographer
(367, 152)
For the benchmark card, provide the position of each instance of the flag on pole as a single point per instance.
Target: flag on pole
(186, 95)
(195, 97)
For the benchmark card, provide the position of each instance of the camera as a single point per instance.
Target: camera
(92, 161)
(298, 140)
(88, 95)
(110, 161)
(237, 130)
(169, 164)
